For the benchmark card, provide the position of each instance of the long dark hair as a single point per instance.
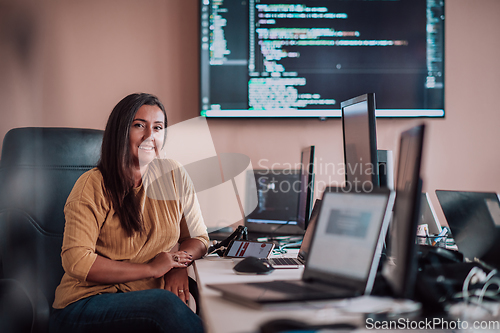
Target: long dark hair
(116, 164)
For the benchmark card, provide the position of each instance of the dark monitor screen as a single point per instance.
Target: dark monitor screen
(306, 187)
(400, 269)
(278, 197)
(474, 221)
(269, 58)
(360, 142)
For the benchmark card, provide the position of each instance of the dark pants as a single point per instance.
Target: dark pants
(153, 310)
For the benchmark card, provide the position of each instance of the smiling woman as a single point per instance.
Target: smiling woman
(147, 135)
(120, 166)
(120, 273)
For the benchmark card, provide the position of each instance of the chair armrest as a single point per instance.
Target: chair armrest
(20, 311)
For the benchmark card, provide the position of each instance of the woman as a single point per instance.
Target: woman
(119, 273)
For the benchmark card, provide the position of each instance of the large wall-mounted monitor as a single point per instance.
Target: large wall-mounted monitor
(360, 143)
(265, 58)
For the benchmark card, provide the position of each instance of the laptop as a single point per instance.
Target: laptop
(300, 260)
(343, 257)
(474, 221)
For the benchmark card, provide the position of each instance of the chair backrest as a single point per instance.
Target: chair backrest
(38, 169)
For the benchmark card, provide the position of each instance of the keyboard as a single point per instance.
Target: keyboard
(283, 287)
(284, 261)
(302, 289)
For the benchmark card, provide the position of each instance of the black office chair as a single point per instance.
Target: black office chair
(38, 169)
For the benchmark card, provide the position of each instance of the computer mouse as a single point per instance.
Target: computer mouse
(253, 265)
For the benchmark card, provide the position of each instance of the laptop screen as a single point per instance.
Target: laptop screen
(348, 234)
(474, 218)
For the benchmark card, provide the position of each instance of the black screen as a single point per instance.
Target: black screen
(473, 218)
(306, 186)
(278, 196)
(360, 143)
(265, 58)
(401, 269)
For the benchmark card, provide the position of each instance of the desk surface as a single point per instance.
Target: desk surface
(224, 316)
(221, 315)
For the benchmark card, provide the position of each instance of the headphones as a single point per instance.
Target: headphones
(241, 233)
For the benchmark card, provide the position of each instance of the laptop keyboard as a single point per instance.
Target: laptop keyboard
(284, 261)
(281, 286)
(293, 288)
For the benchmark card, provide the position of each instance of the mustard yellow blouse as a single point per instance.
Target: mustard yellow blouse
(171, 214)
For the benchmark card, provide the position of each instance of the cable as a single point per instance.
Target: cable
(486, 285)
(282, 248)
(490, 275)
(271, 236)
(481, 277)
(222, 248)
(465, 286)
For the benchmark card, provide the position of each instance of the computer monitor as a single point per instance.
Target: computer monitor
(360, 142)
(278, 198)
(306, 187)
(267, 58)
(400, 268)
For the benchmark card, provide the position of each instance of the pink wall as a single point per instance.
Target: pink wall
(80, 57)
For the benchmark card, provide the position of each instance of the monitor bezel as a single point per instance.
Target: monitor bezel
(334, 113)
(272, 229)
(367, 282)
(303, 221)
(369, 98)
(402, 277)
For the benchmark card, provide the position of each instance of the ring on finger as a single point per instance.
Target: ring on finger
(181, 291)
(176, 257)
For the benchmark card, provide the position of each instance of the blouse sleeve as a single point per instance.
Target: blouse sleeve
(192, 223)
(85, 212)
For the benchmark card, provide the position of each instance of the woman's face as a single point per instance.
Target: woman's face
(147, 134)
